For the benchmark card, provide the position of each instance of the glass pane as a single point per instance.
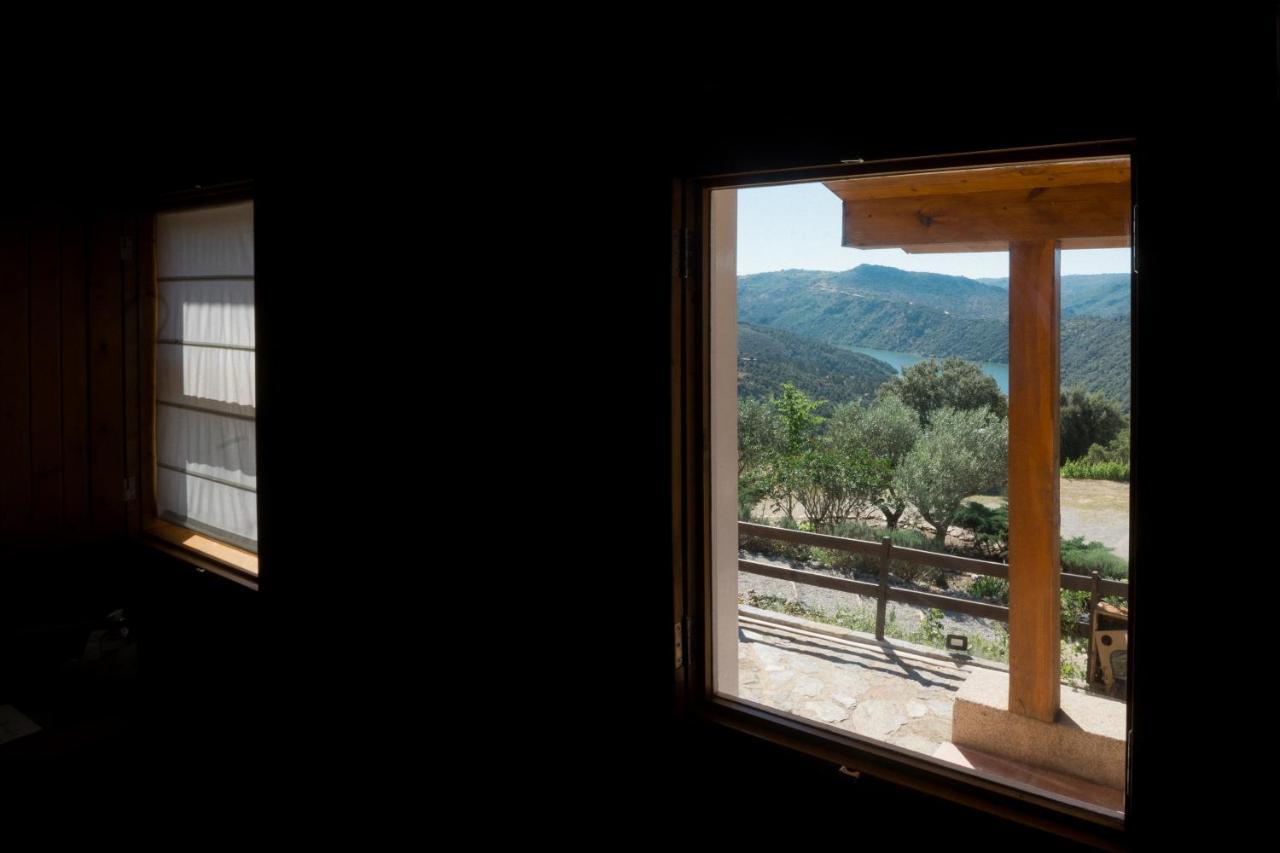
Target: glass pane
(874, 383)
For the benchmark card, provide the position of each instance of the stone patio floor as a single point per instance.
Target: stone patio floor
(900, 694)
(874, 690)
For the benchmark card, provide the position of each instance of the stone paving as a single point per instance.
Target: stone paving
(887, 694)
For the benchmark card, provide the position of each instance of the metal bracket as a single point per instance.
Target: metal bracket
(679, 644)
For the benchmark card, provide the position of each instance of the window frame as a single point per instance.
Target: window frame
(694, 694)
(201, 550)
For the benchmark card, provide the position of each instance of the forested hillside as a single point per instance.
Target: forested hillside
(769, 357)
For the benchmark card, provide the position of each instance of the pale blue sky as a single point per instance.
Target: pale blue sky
(798, 227)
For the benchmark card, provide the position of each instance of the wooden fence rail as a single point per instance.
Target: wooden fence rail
(885, 551)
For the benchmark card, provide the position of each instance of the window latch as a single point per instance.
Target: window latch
(679, 644)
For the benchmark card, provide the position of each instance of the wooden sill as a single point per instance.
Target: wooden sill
(204, 553)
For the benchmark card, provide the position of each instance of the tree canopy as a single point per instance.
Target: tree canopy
(952, 382)
(962, 452)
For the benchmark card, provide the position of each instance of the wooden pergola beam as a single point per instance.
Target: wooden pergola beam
(1003, 246)
(1025, 176)
(961, 220)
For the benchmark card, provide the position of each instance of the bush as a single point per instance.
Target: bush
(1083, 558)
(989, 526)
(1079, 469)
(996, 589)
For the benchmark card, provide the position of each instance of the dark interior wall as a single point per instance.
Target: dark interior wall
(464, 425)
(69, 369)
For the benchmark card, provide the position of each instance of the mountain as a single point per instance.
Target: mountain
(1098, 295)
(938, 315)
(769, 357)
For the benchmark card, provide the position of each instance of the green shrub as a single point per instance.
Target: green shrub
(1083, 558)
(1078, 469)
(996, 589)
(989, 526)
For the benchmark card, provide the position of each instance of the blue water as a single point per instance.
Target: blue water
(899, 360)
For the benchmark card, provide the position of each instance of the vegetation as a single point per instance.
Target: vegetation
(891, 309)
(1085, 419)
(1082, 470)
(952, 382)
(769, 358)
(963, 452)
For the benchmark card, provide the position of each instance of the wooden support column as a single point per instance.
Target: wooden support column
(1034, 556)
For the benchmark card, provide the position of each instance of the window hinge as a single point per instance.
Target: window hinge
(126, 248)
(680, 644)
(130, 489)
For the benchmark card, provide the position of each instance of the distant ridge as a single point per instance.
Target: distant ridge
(929, 314)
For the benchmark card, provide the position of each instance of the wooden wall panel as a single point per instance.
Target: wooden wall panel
(15, 381)
(74, 356)
(46, 375)
(148, 305)
(106, 378)
(132, 407)
(75, 373)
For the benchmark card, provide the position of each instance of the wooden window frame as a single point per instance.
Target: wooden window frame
(694, 695)
(204, 552)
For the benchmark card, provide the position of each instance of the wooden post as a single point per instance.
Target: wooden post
(882, 600)
(1094, 597)
(1034, 555)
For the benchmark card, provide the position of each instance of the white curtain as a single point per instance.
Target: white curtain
(206, 448)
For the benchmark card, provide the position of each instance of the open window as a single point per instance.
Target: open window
(203, 450)
(942, 703)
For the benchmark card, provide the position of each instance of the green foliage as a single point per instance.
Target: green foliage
(989, 526)
(1116, 451)
(1095, 355)
(886, 432)
(799, 423)
(870, 564)
(759, 434)
(768, 358)
(772, 547)
(1078, 470)
(962, 453)
(1074, 608)
(995, 589)
(1084, 558)
(931, 629)
(1073, 673)
(1087, 419)
(952, 383)
(891, 309)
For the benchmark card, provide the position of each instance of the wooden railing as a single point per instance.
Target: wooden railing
(885, 551)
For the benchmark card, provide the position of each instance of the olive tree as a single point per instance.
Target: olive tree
(961, 452)
(954, 383)
(886, 431)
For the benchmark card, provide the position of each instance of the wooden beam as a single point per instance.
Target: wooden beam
(1003, 246)
(1088, 211)
(1025, 176)
(1034, 555)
